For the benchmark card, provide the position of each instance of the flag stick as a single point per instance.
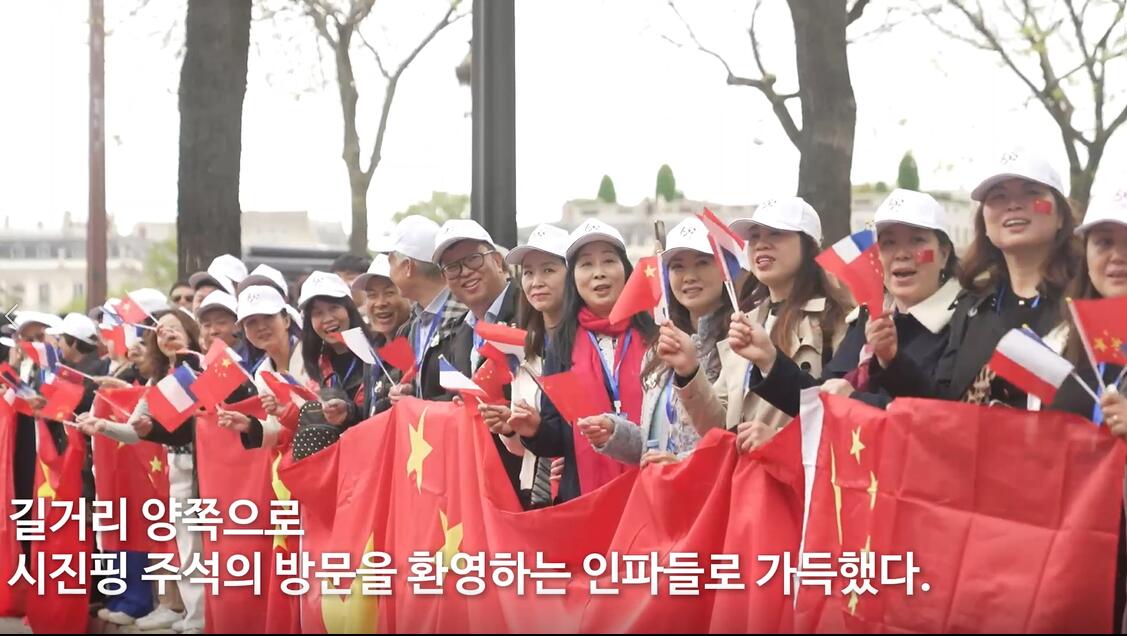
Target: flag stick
(732, 294)
(1084, 385)
(146, 327)
(1119, 378)
(1087, 346)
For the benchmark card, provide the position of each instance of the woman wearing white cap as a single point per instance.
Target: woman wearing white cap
(1103, 274)
(588, 343)
(698, 306)
(543, 274)
(1015, 273)
(266, 325)
(327, 310)
(791, 306)
(920, 276)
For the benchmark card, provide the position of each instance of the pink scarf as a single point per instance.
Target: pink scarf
(594, 468)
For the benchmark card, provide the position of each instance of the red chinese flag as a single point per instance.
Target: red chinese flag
(398, 353)
(62, 401)
(493, 374)
(12, 597)
(284, 390)
(251, 406)
(131, 312)
(136, 473)
(119, 403)
(1103, 327)
(641, 293)
(221, 377)
(228, 473)
(59, 478)
(573, 396)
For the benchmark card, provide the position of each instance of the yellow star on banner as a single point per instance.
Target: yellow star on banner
(352, 613)
(452, 538)
(872, 490)
(225, 363)
(1099, 345)
(857, 447)
(1116, 344)
(420, 449)
(155, 466)
(651, 271)
(853, 599)
(281, 493)
(837, 491)
(47, 491)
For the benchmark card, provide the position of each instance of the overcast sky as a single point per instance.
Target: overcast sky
(599, 90)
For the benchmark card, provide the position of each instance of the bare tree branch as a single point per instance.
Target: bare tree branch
(375, 54)
(393, 81)
(755, 40)
(855, 11)
(764, 85)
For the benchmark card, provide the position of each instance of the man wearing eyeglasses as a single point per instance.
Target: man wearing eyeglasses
(475, 272)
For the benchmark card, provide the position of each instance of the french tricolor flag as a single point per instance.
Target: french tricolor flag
(1024, 361)
(455, 381)
(44, 355)
(855, 261)
(171, 401)
(729, 249)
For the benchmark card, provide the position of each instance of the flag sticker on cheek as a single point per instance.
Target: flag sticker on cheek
(1043, 206)
(925, 256)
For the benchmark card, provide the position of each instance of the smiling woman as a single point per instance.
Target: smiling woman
(1016, 269)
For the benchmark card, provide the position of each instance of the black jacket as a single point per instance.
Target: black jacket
(460, 355)
(782, 386)
(555, 437)
(453, 317)
(979, 322)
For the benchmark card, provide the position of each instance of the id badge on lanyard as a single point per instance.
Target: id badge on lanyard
(613, 378)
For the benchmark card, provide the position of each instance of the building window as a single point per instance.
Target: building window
(44, 294)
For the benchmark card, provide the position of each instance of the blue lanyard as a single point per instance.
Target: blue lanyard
(671, 416)
(421, 347)
(347, 374)
(259, 363)
(612, 379)
(1097, 413)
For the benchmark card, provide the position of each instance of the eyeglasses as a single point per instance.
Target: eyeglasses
(181, 299)
(473, 262)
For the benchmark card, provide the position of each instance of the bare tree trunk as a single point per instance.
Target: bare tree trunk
(213, 82)
(829, 112)
(1080, 180)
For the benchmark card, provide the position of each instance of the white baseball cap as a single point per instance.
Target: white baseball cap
(790, 214)
(77, 326)
(689, 234)
(218, 299)
(149, 299)
(413, 236)
(225, 270)
(259, 300)
(1105, 209)
(323, 284)
(912, 208)
(1019, 164)
(590, 231)
(456, 230)
(545, 238)
(264, 275)
(380, 266)
(24, 318)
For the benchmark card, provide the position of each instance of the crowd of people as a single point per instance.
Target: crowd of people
(710, 365)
